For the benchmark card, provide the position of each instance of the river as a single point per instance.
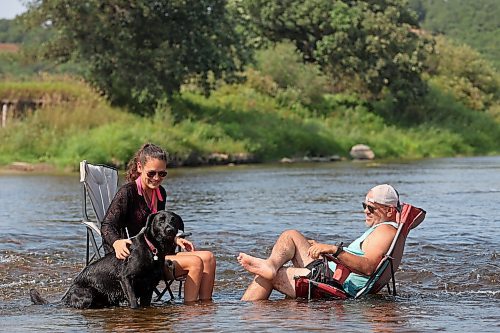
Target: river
(448, 280)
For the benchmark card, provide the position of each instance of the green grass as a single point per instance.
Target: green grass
(77, 124)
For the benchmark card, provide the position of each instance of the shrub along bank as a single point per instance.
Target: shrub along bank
(238, 122)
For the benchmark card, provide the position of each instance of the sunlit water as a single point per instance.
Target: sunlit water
(448, 280)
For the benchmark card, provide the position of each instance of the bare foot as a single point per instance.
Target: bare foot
(257, 266)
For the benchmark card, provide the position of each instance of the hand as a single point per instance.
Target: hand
(121, 248)
(312, 241)
(184, 244)
(318, 249)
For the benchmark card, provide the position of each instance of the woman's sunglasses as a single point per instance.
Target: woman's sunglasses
(371, 209)
(161, 174)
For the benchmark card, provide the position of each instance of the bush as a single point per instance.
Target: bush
(465, 74)
(284, 64)
(238, 119)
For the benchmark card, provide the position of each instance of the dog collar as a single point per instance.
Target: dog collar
(152, 248)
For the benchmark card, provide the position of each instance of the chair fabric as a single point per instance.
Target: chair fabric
(100, 184)
(330, 285)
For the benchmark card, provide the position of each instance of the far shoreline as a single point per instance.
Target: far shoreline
(20, 168)
(23, 168)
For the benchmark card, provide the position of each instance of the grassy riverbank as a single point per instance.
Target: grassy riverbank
(237, 120)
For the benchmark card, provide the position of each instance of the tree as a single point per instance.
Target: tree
(463, 72)
(137, 52)
(363, 45)
(474, 23)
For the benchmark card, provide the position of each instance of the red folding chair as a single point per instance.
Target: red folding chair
(328, 285)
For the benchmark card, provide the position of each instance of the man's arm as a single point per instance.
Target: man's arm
(375, 246)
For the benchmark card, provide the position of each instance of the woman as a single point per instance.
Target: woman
(128, 212)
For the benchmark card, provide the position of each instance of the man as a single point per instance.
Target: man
(362, 256)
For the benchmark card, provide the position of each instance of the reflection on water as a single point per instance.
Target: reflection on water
(448, 280)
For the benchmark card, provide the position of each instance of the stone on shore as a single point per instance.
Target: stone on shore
(362, 152)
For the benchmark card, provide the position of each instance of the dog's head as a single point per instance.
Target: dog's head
(162, 227)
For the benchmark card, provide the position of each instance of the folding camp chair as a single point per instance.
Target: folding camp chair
(100, 183)
(329, 285)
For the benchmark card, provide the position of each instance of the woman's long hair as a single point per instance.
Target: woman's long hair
(146, 152)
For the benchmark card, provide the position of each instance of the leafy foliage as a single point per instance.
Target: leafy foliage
(327, 75)
(138, 52)
(235, 119)
(14, 31)
(295, 81)
(10, 32)
(463, 72)
(365, 46)
(474, 23)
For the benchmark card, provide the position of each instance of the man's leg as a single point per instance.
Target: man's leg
(285, 279)
(291, 245)
(259, 289)
(284, 282)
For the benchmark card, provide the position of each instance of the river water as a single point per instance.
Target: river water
(449, 279)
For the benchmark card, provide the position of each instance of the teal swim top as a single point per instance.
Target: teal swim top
(355, 282)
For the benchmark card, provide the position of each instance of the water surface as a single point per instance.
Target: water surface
(448, 280)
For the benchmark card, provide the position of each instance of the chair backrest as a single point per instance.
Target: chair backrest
(409, 218)
(100, 184)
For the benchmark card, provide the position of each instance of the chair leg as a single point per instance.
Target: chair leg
(97, 249)
(159, 294)
(88, 249)
(180, 288)
(169, 289)
(393, 280)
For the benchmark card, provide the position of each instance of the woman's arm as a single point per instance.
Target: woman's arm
(114, 222)
(184, 244)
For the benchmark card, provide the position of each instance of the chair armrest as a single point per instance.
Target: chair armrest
(341, 271)
(329, 257)
(92, 226)
(183, 234)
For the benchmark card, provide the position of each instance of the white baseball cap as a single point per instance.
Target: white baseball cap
(384, 194)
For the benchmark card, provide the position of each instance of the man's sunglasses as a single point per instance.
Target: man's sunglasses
(371, 209)
(161, 174)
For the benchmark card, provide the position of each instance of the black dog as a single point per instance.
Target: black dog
(109, 281)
